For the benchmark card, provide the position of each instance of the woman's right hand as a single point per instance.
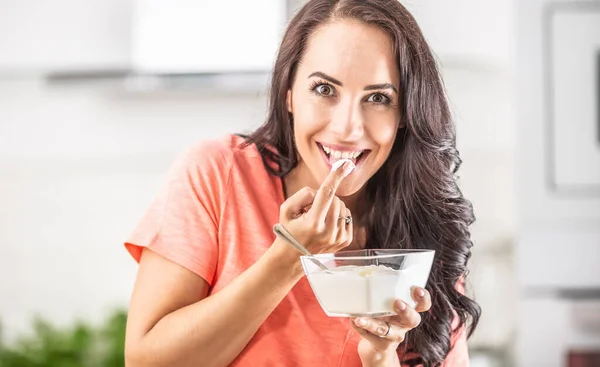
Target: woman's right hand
(317, 219)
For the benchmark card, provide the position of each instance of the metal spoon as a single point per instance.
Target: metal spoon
(283, 233)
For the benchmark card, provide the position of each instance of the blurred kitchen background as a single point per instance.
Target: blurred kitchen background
(97, 97)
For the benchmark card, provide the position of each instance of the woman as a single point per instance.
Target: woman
(353, 79)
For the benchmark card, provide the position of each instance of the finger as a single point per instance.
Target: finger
(326, 192)
(346, 229)
(379, 332)
(341, 223)
(407, 317)
(333, 215)
(377, 343)
(349, 228)
(296, 203)
(359, 234)
(422, 297)
(374, 326)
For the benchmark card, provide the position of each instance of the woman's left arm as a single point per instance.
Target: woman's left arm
(372, 356)
(382, 336)
(457, 357)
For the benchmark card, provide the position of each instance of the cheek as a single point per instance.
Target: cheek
(384, 130)
(310, 118)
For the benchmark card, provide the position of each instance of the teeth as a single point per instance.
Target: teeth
(341, 155)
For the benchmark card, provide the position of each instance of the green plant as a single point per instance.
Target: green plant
(79, 345)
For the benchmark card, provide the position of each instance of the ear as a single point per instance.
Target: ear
(288, 100)
(401, 123)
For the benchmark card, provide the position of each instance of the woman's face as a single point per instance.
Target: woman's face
(344, 102)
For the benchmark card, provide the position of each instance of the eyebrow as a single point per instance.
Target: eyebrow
(326, 77)
(382, 86)
(368, 87)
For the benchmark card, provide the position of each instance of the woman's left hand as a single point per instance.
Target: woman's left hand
(381, 336)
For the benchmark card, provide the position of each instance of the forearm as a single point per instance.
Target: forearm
(376, 359)
(214, 331)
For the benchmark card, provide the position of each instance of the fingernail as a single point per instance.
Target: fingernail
(337, 164)
(420, 292)
(347, 166)
(361, 322)
(400, 306)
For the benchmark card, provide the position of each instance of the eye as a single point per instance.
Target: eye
(325, 90)
(378, 98)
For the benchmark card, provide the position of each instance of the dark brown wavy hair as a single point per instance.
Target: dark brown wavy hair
(414, 197)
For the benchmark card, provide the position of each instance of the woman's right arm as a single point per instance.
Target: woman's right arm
(172, 322)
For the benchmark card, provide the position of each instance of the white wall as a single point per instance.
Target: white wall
(483, 108)
(78, 166)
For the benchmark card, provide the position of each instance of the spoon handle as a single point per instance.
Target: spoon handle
(283, 233)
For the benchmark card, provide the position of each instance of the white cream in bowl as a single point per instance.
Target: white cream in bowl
(365, 290)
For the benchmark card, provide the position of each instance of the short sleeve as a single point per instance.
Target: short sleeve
(458, 356)
(182, 222)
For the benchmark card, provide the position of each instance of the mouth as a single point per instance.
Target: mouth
(332, 155)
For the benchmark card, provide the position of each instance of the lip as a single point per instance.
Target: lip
(341, 148)
(327, 159)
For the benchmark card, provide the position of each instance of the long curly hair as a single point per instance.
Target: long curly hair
(415, 200)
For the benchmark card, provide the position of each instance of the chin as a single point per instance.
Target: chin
(348, 188)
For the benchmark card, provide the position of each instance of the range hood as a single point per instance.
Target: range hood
(191, 36)
(189, 43)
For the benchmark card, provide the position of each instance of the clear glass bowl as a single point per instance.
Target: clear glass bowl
(367, 282)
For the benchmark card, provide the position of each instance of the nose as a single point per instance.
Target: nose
(347, 121)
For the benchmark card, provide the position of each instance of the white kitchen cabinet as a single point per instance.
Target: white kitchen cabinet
(189, 36)
(179, 36)
(559, 258)
(558, 147)
(554, 327)
(573, 105)
(469, 32)
(39, 36)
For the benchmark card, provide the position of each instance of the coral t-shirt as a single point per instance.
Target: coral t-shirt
(215, 216)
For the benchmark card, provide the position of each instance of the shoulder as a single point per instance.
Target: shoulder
(211, 161)
(222, 151)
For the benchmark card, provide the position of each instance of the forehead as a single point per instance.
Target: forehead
(351, 51)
